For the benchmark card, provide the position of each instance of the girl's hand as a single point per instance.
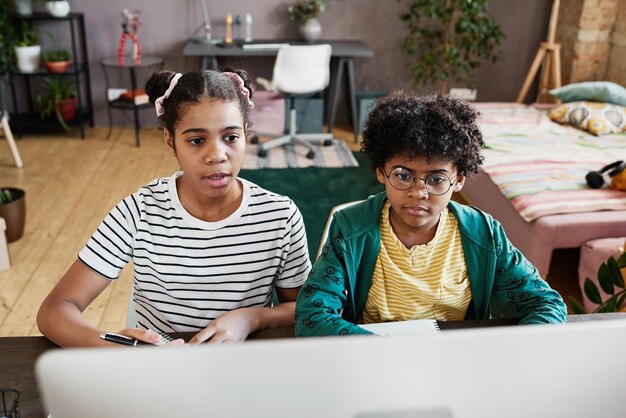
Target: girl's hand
(234, 326)
(148, 336)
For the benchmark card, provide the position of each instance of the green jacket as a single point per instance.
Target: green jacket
(503, 282)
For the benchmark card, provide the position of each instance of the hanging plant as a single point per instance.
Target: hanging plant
(448, 39)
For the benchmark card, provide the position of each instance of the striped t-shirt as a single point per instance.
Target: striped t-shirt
(427, 281)
(188, 272)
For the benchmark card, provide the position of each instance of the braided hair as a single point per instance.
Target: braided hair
(195, 86)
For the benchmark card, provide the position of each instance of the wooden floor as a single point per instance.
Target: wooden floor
(71, 184)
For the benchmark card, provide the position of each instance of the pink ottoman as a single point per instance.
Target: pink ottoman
(592, 255)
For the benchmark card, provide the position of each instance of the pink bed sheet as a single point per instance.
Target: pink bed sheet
(556, 214)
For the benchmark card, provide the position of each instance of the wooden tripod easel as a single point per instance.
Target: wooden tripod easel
(549, 54)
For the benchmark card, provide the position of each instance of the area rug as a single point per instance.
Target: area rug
(317, 190)
(294, 156)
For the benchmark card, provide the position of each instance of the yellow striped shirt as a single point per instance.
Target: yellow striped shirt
(427, 281)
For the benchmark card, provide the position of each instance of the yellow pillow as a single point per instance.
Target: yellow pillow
(593, 117)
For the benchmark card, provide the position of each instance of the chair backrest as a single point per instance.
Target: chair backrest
(301, 69)
(330, 218)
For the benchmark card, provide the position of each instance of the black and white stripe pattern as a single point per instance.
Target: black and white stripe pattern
(187, 271)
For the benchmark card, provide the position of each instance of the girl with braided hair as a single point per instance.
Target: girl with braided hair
(208, 247)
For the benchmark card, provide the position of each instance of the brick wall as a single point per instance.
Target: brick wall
(592, 34)
(616, 66)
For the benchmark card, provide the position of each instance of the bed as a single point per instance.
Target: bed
(533, 181)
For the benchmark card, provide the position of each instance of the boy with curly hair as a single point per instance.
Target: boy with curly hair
(410, 252)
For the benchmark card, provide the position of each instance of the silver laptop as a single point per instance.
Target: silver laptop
(573, 370)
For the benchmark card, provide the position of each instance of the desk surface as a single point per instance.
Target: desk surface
(18, 355)
(343, 48)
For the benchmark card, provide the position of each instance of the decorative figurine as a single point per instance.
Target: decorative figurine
(130, 24)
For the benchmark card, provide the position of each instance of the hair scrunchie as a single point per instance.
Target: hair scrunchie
(158, 103)
(241, 86)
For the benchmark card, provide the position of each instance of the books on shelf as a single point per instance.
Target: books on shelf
(139, 95)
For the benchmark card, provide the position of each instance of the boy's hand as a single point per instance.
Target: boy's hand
(234, 326)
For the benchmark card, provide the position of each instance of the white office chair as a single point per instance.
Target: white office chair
(299, 70)
(4, 115)
(327, 226)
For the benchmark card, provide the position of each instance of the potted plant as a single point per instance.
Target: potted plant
(27, 48)
(449, 39)
(58, 8)
(305, 13)
(7, 37)
(59, 97)
(56, 60)
(13, 211)
(23, 7)
(611, 277)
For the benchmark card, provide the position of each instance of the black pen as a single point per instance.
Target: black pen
(121, 339)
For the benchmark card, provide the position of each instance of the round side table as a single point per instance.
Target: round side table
(136, 103)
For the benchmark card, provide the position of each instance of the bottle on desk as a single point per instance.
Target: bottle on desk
(237, 35)
(248, 37)
(228, 39)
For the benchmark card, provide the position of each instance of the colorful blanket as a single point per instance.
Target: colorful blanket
(540, 166)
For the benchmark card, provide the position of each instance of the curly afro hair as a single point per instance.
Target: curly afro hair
(440, 128)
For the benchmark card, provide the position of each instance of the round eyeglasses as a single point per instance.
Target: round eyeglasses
(436, 184)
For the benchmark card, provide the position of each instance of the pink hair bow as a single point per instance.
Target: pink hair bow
(240, 85)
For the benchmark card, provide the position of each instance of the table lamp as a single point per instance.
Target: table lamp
(207, 22)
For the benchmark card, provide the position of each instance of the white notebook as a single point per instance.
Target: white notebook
(417, 326)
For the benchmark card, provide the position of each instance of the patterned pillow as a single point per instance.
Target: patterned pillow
(593, 117)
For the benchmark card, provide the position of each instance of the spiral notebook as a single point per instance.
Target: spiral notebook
(417, 326)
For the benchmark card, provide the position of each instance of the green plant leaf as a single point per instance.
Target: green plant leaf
(57, 88)
(608, 306)
(605, 278)
(5, 196)
(621, 262)
(615, 272)
(576, 306)
(459, 34)
(620, 300)
(592, 292)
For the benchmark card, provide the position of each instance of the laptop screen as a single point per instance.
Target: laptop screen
(573, 370)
